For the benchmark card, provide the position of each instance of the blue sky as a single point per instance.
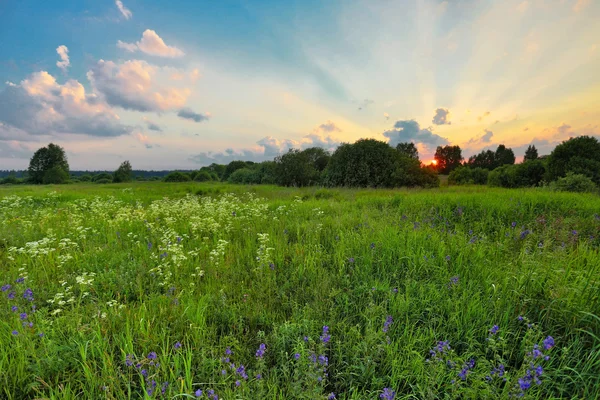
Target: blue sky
(186, 83)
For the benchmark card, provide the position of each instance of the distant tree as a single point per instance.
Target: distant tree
(300, 168)
(233, 166)
(580, 155)
(448, 158)
(485, 159)
(177, 176)
(408, 149)
(45, 159)
(123, 173)
(504, 156)
(102, 176)
(531, 153)
(56, 175)
(201, 176)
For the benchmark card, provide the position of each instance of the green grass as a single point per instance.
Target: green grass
(346, 259)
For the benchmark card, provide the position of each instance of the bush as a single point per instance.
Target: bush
(102, 176)
(467, 176)
(202, 176)
(103, 181)
(56, 175)
(527, 174)
(245, 176)
(574, 183)
(177, 177)
(580, 155)
(10, 180)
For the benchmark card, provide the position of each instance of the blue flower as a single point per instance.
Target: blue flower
(524, 384)
(152, 356)
(331, 396)
(228, 351)
(20, 280)
(387, 394)
(23, 316)
(297, 356)
(28, 294)
(351, 260)
(258, 376)
(177, 345)
(15, 333)
(5, 288)
(261, 350)
(325, 338)
(494, 329)
(525, 233)
(548, 343)
(513, 225)
(388, 322)
(198, 393)
(129, 360)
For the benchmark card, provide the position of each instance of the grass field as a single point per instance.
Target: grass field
(155, 290)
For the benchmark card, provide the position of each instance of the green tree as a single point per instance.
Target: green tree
(530, 154)
(177, 176)
(580, 155)
(504, 156)
(45, 159)
(408, 149)
(123, 173)
(55, 175)
(301, 168)
(448, 158)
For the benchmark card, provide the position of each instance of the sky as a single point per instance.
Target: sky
(182, 84)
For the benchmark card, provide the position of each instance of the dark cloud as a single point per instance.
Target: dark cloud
(441, 117)
(189, 114)
(410, 131)
(152, 126)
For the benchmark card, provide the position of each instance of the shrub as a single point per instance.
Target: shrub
(466, 176)
(580, 155)
(101, 176)
(244, 176)
(103, 180)
(574, 183)
(202, 176)
(10, 180)
(177, 177)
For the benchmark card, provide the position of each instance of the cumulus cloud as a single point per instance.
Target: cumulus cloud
(153, 45)
(134, 85)
(41, 106)
(328, 127)
(187, 113)
(485, 138)
(410, 131)
(125, 12)
(152, 126)
(441, 117)
(63, 53)
(270, 147)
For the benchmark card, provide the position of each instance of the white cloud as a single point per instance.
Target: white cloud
(125, 12)
(153, 45)
(63, 53)
(41, 106)
(136, 85)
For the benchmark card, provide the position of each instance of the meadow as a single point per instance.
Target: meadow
(215, 291)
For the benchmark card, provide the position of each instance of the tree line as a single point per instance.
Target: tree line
(364, 163)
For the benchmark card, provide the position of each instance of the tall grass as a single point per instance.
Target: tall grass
(188, 271)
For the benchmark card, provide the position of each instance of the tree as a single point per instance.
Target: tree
(530, 154)
(123, 173)
(45, 159)
(408, 149)
(177, 176)
(580, 155)
(301, 168)
(55, 175)
(448, 158)
(504, 156)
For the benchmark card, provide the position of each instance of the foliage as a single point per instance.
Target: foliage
(491, 160)
(45, 159)
(177, 176)
(448, 158)
(129, 292)
(301, 168)
(55, 175)
(123, 173)
(531, 153)
(245, 176)
(234, 166)
(574, 183)
(202, 176)
(465, 175)
(580, 155)
(408, 149)
(526, 174)
(102, 176)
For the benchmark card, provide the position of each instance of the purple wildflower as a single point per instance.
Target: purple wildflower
(372, 245)
(524, 384)
(23, 316)
(177, 345)
(163, 388)
(297, 356)
(228, 351)
(520, 318)
(15, 333)
(323, 360)
(14, 308)
(129, 360)
(388, 322)
(494, 329)
(453, 281)
(238, 383)
(387, 394)
(351, 260)
(241, 371)
(20, 280)
(524, 234)
(152, 355)
(28, 294)
(513, 225)
(5, 287)
(326, 337)
(11, 295)
(331, 396)
(447, 258)
(261, 350)
(548, 343)
(149, 245)
(144, 373)
(163, 255)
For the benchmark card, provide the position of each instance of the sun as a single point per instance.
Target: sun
(433, 162)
